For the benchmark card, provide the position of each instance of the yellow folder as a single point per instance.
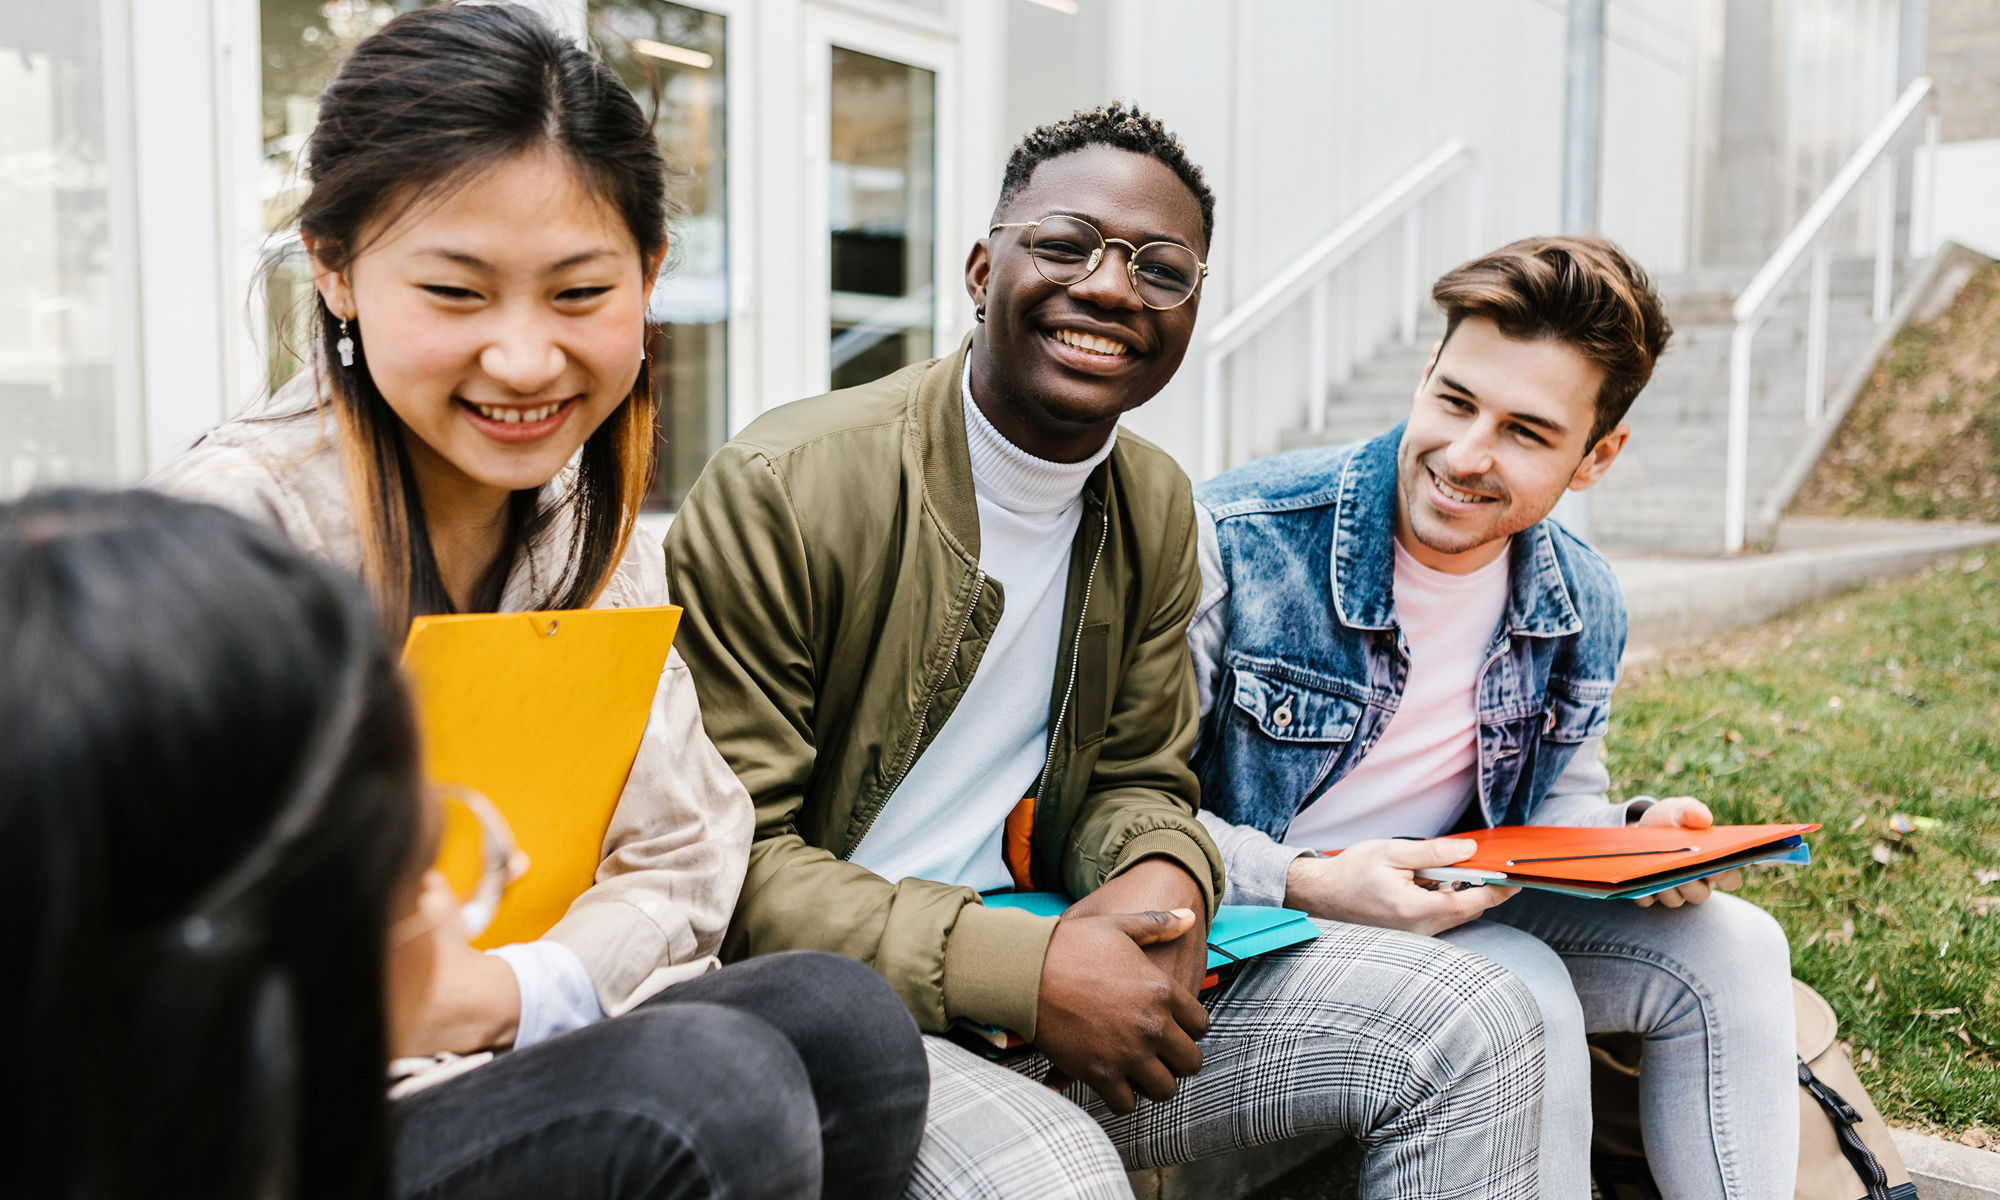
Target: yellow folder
(542, 714)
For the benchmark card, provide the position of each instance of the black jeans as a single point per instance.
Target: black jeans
(795, 1075)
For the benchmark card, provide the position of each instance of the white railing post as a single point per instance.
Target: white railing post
(1475, 212)
(1316, 379)
(1816, 306)
(1341, 308)
(1930, 180)
(1885, 240)
(1214, 412)
(1737, 481)
(1412, 264)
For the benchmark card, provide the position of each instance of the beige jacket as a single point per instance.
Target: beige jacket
(675, 853)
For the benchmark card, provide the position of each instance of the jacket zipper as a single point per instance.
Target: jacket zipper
(930, 697)
(1069, 689)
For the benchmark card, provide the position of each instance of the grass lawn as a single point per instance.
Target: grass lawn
(1923, 440)
(1883, 703)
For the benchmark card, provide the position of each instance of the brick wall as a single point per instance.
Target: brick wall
(1964, 63)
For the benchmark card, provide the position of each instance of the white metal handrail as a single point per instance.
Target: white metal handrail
(1310, 276)
(1877, 152)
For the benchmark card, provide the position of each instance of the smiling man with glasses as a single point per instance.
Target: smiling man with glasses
(937, 623)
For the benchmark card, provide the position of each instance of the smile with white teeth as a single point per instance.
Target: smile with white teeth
(1452, 493)
(1091, 343)
(516, 416)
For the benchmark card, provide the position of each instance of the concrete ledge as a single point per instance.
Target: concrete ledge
(1946, 1170)
(1673, 600)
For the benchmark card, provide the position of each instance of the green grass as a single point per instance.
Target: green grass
(1884, 702)
(1922, 441)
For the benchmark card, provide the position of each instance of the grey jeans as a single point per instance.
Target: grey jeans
(1428, 1055)
(1709, 989)
(790, 1077)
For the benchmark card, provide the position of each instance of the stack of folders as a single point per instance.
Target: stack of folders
(1239, 932)
(1618, 864)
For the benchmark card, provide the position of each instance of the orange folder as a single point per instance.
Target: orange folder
(1618, 863)
(542, 714)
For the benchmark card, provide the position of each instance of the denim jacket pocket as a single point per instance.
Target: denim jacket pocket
(1576, 712)
(1288, 711)
(1271, 746)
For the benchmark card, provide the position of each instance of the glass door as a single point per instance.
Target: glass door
(59, 422)
(876, 125)
(674, 58)
(881, 215)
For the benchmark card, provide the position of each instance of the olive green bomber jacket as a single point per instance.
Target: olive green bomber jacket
(827, 559)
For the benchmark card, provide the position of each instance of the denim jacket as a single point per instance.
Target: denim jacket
(1301, 662)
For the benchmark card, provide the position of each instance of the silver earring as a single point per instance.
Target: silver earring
(979, 314)
(345, 345)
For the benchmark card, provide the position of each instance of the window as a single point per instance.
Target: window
(673, 57)
(881, 213)
(57, 423)
(304, 42)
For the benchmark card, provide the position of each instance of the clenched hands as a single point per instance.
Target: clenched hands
(1118, 1007)
(1374, 883)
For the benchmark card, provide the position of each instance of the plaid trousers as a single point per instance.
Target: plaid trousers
(1427, 1055)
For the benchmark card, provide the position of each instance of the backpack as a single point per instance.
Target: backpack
(1844, 1148)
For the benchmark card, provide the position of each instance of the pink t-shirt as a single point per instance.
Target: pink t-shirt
(1420, 774)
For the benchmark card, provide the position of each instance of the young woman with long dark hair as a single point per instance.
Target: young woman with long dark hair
(472, 432)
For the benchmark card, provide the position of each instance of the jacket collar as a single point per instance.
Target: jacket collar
(937, 425)
(1364, 557)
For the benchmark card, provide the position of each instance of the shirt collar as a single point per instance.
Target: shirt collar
(1009, 476)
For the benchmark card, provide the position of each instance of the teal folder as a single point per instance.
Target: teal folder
(1239, 931)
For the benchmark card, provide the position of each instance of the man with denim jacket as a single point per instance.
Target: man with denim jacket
(1393, 642)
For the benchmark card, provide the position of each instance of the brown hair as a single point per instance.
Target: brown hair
(1581, 291)
(425, 104)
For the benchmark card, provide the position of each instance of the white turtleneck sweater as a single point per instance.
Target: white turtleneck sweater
(945, 821)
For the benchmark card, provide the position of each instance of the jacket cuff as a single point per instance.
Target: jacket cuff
(993, 967)
(1177, 845)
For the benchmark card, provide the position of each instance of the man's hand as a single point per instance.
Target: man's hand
(1110, 1017)
(1374, 883)
(1686, 812)
(473, 1002)
(1158, 885)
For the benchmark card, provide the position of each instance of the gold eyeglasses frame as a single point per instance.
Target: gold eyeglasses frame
(1097, 258)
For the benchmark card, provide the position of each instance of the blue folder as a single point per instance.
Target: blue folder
(1239, 931)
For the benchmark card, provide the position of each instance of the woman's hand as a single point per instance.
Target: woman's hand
(1686, 812)
(1374, 883)
(469, 1000)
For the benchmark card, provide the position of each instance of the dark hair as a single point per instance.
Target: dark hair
(1581, 291)
(208, 796)
(1116, 124)
(436, 96)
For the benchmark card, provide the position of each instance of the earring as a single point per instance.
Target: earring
(979, 314)
(345, 345)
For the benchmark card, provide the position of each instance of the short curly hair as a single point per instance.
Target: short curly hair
(1119, 125)
(1583, 292)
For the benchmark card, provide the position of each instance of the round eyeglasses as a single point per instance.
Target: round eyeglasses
(1065, 250)
(478, 855)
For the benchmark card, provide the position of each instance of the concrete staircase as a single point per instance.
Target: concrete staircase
(1666, 492)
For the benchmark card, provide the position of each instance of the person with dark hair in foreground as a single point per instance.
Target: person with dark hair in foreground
(210, 830)
(1394, 640)
(913, 603)
(473, 431)
(209, 824)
